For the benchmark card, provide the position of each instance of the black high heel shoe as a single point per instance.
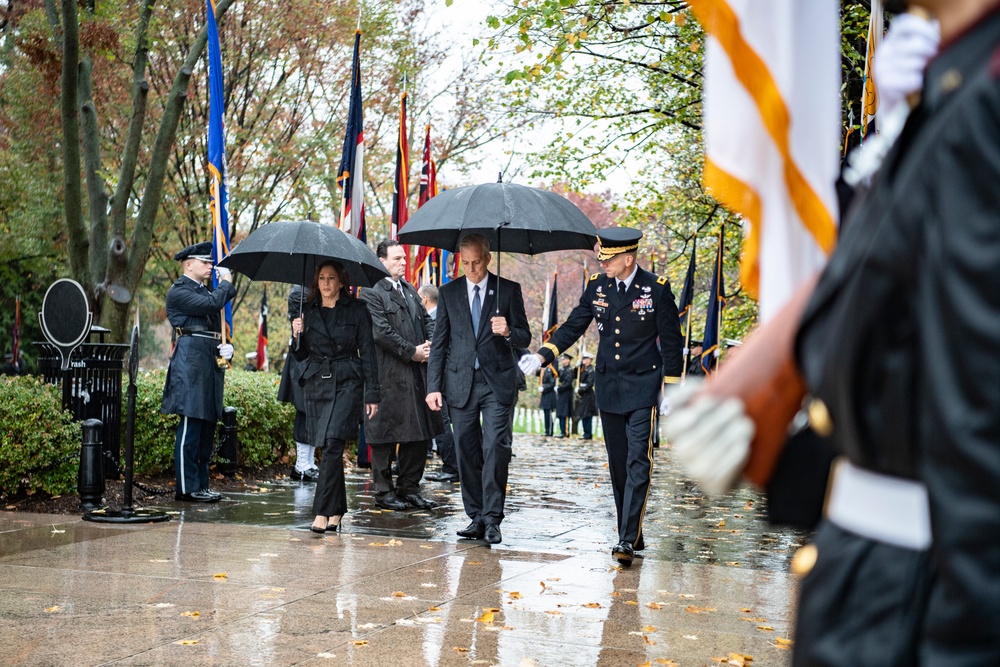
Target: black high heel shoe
(318, 530)
(334, 527)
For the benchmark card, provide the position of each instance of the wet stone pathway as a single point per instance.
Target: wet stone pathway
(244, 582)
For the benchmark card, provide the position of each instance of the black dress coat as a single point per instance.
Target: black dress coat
(194, 383)
(339, 373)
(564, 396)
(455, 346)
(399, 325)
(631, 367)
(586, 405)
(900, 341)
(548, 398)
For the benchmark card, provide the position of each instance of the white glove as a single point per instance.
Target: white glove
(529, 364)
(226, 351)
(665, 404)
(900, 61)
(710, 437)
(224, 273)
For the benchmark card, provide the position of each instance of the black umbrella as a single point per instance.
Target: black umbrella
(514, 218)
(289, 252)
(532, 220)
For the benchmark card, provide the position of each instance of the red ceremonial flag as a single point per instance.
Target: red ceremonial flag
(401, 184)
(262, 362)
(428, 188)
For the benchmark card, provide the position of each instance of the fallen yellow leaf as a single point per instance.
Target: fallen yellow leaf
(632, 602)
(649, 628)
(221, 575)
(487, 616)
(592, 605)
(664, 661)
(691, 609)
(648, 640)
(459, 649)
(746, 610)
(433, 608)
(474, 562)
(192, 614)
(615, 594)
(781, 642)
(187, 642)
(765, 628)
(655, 605)
(53, 609)
(755, 619)
(553, 579)
(399, 594)
(515, 596)
(721, 524)
(686, 596)
(555, 613)
(360, 642)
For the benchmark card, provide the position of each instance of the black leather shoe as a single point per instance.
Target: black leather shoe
(623, 553)
(493, 535)
(474, 531)
(440, 477)
(198, 497)
(418, 501)
(310, 475)
(390, 502)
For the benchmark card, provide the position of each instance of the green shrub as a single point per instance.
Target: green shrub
(264, 425)
(39, 442)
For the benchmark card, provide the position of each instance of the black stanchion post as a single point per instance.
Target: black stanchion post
(227, 459)
(90, 483)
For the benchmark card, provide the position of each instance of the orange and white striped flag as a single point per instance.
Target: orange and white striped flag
(772, 131)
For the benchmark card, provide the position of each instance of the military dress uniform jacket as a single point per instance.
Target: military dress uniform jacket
(548, 399)
(902, 334)
(455, 346)
(564, 397)
(630, 367)
(194, 383)
(339, 372)
(400, 325)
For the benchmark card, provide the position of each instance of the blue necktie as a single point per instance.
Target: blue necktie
(477, 307)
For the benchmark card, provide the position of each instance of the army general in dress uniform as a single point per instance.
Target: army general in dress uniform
(633, 308)
(195, 377)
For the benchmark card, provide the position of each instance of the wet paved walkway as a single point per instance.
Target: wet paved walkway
(244, 582)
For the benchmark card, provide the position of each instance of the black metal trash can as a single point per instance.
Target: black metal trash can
(92, 388)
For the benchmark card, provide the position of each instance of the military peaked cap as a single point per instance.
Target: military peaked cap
(202, 251)
(616, 240)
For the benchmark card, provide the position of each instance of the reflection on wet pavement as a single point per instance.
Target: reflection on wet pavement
(244, 583)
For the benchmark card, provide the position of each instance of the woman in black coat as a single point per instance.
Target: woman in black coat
(339, 374)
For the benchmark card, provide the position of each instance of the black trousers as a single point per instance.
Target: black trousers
(548, 422)
(411, 457)
(484, 451)
(192, 454)
(331, 493)
(629, 443)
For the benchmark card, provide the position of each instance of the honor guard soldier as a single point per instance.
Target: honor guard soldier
(633, 308)
(195, 375)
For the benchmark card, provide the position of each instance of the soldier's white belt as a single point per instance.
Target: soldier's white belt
(879, 507)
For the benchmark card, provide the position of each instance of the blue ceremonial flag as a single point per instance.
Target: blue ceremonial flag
(218, 196)
(350, 175)
(687, 293)
(713, 321)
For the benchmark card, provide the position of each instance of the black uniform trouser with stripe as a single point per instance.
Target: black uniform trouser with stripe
(628, 440)
(192, 453)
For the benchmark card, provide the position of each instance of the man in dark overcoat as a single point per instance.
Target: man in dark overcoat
(633, 308)
(564, 394)
(480, 322)
(586, 404)
(404, 425)
(289, 391)
(196, 374)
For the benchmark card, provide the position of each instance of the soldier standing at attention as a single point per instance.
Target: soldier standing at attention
(195, 375)
(633, 308)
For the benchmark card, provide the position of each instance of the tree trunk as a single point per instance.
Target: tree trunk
(72, 196)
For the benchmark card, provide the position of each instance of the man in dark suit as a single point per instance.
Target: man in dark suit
(195, 376)
(633, 308)
(403, 426)
(480, 321)
(445, 441)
